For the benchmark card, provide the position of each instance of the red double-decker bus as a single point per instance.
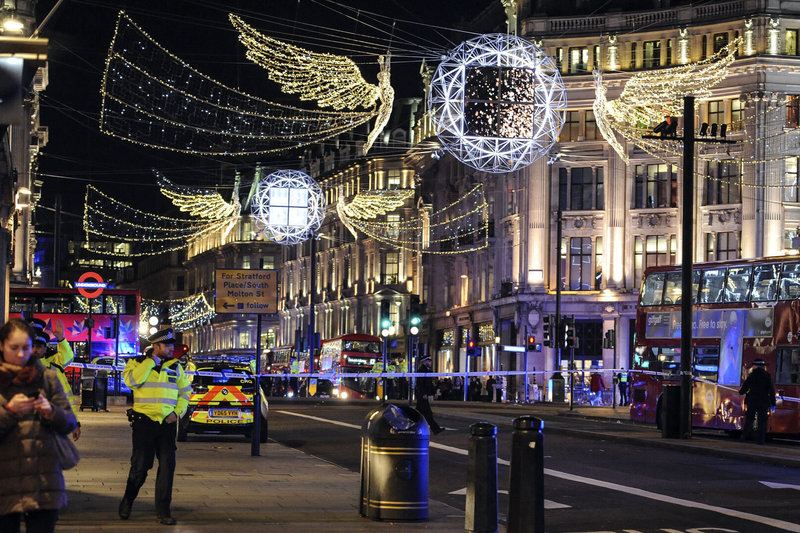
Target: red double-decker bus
(351, 354)
(742, 311)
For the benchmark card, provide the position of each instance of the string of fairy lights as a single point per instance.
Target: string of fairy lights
(152, 98)
(184, 313)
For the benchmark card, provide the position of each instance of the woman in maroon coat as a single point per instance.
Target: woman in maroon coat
(33, 407)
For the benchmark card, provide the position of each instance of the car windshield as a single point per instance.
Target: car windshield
(225, 379)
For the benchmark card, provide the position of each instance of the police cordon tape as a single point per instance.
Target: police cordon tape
(378, 375)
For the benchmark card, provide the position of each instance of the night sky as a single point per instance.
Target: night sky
(198, 32)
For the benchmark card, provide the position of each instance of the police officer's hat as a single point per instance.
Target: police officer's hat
(163, 336)
(759, 362)
(39, 335)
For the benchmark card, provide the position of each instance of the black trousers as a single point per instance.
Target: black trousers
(623, 394)
(761, 430)
(42, 521)
(424, 407)
(151, 439)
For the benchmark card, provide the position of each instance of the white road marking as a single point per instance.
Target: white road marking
(548, 504)
(772, 522)
(772, 485)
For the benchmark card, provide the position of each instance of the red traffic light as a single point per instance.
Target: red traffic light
(470, 344)
(531, 339)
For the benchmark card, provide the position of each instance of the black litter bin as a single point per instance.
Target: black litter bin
(100, 391)
(394, 464)
(87, 390)
(670, 412)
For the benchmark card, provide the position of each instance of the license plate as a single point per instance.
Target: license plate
(224, 413)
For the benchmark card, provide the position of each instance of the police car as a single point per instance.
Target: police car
(222, 401)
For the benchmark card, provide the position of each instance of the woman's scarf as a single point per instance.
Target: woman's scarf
(20, 375)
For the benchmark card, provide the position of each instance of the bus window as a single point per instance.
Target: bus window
(790, 282)
(54, 303)
(765, 283)
(653, 288)
(713, 283)
(738, 284)
(668, 361)
(706, 363)
(672, 288)
(788, 366)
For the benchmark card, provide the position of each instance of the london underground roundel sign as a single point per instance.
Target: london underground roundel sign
(90, 285)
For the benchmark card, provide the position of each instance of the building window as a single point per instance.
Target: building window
(596, 58)
(592, 133)
(581, 188)
(716, 112)
(668, 59)
(737, 115)
(722, 184)
(791, 42)
(581, 275)
(391, 268)
(560, 59)
(722, 246)
(393, 179)
(791, 188)
(633, 56)
(656, 186)
(572, 127)
(245, 261)
(393, 222)
(720, 41)
(704, 47)
(179, 283)
(792, 110)
(267, 262)
(598, 263)
(652, 250)
(652, 54)
(244, 339)
(578, 60)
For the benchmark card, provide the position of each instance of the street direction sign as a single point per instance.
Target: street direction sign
(246, 291)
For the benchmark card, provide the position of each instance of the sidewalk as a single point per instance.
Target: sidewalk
(615, 424)
(219, 486)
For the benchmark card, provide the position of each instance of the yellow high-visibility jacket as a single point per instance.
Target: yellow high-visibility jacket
(58, 362)
(190, 367)
(157, 391)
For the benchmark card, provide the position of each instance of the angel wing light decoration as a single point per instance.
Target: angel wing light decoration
(650, 96)
(328, 79)
(152, 98)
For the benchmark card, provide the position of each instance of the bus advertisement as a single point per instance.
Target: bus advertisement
(742, 311)
(72, 309)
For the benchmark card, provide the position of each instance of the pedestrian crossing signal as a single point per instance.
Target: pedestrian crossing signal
(531, 343)
(548, 331)
(472, 349)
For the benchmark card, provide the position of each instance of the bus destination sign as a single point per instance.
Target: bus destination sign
(246, 291)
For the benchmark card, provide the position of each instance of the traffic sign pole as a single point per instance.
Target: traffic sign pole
(255, 441)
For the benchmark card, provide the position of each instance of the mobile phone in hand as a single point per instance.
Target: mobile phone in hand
(33, 394)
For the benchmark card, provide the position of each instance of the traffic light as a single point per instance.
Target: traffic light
(472, 349)
(569, 331)
(386, 319)
(548, 331)
(609, 339)
(531, 343)
(414, 318)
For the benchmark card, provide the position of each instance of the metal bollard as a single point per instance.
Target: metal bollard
(526, 487)
(481, 507)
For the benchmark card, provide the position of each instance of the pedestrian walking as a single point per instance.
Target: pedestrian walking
(759, 397)
(160, 398)
(34, 409)
(56, 360)
(425, 391)
(596, 387)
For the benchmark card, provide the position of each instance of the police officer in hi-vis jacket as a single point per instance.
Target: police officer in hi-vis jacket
(160, 397)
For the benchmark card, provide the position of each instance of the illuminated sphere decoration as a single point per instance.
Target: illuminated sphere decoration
(288, 206)
(497, 103)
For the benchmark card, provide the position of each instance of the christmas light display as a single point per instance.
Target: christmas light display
(107, 220)
(203, 203)
(496, 102)
(459, 227)
(370, 204)
(184, 313)
(288, 206)
(152, 98)
(650, 96)
(328, 79)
